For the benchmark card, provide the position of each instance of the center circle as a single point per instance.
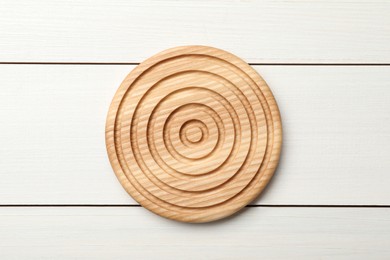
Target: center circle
(194, 134)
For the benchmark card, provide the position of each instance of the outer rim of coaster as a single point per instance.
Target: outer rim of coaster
(264, 176)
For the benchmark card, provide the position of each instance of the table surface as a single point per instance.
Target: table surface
(327, 63)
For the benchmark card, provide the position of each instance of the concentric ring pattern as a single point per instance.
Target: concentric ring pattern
(194, 134)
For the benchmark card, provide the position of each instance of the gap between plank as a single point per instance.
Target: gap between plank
(138, 206)
(137, 63)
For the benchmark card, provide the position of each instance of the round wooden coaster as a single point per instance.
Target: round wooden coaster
(194, 134)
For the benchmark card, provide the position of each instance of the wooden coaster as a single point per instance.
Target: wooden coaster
(194, 134)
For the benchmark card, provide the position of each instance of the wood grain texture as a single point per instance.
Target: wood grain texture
(265, 31)
(336, 126)
(194, 134)
(53, 118)
(134, 233)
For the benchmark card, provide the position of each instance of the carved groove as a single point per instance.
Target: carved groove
(193, 134)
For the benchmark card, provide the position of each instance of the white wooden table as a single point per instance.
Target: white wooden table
(327, 62)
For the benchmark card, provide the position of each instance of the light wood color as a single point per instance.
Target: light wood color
(336, 125)
(194, 134)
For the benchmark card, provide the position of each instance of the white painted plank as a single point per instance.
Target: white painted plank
(134, 233)
(259, 31)
(52, 134)
(336, 134)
